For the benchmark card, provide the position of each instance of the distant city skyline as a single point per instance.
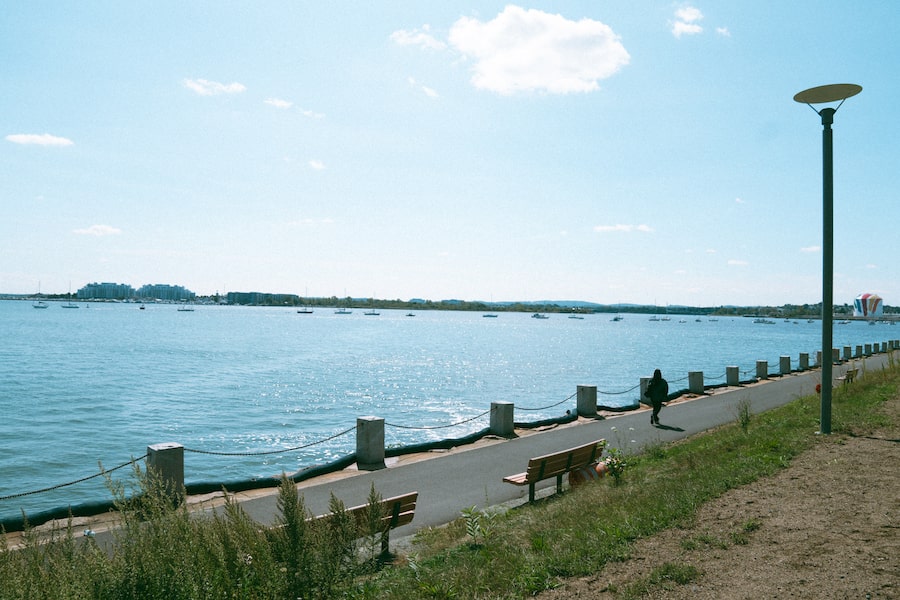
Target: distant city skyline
(613, 153)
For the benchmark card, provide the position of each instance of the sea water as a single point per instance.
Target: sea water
(92, 386)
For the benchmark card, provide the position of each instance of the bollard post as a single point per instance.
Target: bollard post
(804, 361)
(818, 358)
(835, 355)
(167, 462)
(762, 369)
(502, 418)
(847, 354)
(645, 381)
(695, 382)
(370, 443)
(733, 375)
(784, 365)
(859, 351)
(868, 349)
(587, 400)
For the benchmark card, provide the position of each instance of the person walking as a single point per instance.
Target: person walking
(658, 392)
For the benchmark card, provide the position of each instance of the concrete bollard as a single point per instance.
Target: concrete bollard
(819, 358)
(645, 381)
(847, 355)
(733, 375)
(859, 351)
(762, 369)
(370, 443)
(868, 349)
(502, 423)
(835, 355)
(167, 461)
(784, 365)
(695, 382)
(884, 347)
(587, 400)
(804, 361)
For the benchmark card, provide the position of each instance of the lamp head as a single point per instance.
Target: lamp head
(828, 93)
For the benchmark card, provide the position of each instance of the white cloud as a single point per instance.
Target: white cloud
(623, 228)
(723, 31)
(311, 114)
(205, 87)
(35, 139)
(527, 50)
(422, 38)
(686, 21)
(318, 165)
(739, 201)
(737, 263)
(431, 93)
(98, 230)
(811, 249)
(278, 103)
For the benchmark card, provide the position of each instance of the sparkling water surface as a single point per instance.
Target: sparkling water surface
(101, 383)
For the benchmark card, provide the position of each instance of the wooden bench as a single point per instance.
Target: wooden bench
(396, 511)
(849, 376)
(556, 465)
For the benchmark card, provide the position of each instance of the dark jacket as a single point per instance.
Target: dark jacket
(657, 391)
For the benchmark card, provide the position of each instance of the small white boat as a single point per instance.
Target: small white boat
(305, 311)
(40, 304)
(489, 316)
(539, 316)
(343, 311)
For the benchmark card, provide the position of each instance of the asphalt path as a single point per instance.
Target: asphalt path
(473, 475)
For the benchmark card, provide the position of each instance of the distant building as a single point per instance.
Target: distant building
(868, 305)
(161, 291)
(106, 291)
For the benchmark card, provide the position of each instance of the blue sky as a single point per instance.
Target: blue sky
(645, 152)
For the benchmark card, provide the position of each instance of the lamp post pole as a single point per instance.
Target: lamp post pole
(817, 95)
(827, 115)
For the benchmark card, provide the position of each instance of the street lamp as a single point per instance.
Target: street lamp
(837, 92)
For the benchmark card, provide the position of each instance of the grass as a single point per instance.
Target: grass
(164, 552)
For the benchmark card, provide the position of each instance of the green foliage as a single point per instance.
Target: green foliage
(616, 463)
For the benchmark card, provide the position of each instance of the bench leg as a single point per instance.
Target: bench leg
(531, 493)
(559, 484)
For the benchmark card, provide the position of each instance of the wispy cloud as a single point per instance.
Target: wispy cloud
(423, 88)
(623, 228)
(204, 87)
(38, 139)
(311, 114)
(278, 103)
(686, 21)
(811, 249)
(723, 31)
(523, 50)
(98, 230)
(422, 38)
(318, 165)
(734, 262)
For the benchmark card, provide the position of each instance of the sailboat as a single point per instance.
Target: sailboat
(307, 309)
(69, 303)
(39, 303)
(372, 312)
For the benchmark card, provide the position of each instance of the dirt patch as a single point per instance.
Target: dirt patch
(826, 527)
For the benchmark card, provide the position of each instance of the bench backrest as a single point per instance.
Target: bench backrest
(558, 463)
(398, 510)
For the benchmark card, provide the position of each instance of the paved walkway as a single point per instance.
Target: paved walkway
(472, 475)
